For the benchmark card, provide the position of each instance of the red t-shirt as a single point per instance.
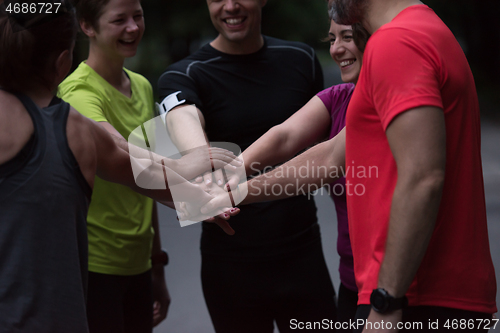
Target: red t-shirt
(415, 61)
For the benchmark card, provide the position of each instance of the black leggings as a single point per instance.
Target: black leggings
(347, 306)
(434, 314)
(120, 304)
(247, 297)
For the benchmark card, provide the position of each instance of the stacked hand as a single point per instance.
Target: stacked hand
(203, 160)
(222, 204)
(219, 215)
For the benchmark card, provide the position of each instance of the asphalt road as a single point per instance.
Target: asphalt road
(188, 313)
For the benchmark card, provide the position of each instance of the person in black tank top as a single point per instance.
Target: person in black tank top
(43, 190)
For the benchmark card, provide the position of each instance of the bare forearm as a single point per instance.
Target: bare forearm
(155, 174)
(307, 126)
(269, 150)
(144, 176)
(305, 173)
(414, 211)
(138, 152)
(186, 128)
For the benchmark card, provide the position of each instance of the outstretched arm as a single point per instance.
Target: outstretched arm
(193, 162)
(114, 164)
(303, 174)
(308, 125)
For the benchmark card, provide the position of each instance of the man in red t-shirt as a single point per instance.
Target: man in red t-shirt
(414, 176)
(419, 222)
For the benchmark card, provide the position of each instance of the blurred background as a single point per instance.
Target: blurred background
(176, 28)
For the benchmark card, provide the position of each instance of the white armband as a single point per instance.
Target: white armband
(170, 102)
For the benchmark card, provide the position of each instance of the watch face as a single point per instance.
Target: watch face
(379, 300)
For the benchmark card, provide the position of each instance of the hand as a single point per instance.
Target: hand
(393, 318)
(204, 160)
(222, 222)
(191, 210)
(161, 296)
(227, 180)
(185, 212)
(220, 199)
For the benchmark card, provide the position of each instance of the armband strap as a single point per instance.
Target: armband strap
(170, 102)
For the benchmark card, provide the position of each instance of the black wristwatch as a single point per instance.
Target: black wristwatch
(382, 302)
(160, 258)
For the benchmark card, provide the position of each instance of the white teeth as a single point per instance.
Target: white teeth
(234, 21)
(346, 62)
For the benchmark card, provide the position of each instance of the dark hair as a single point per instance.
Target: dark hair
(30, 45)
(90, 11)
(360, 36)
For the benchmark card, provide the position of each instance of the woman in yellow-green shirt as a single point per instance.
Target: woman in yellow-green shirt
(122, 225)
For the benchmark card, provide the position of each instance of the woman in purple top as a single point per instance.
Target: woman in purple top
(322, 118)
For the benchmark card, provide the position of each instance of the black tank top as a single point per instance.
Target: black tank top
(44, 200)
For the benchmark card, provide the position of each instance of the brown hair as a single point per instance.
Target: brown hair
(360, 36)
(30, 45)
(90, 11)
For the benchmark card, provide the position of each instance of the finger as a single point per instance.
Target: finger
(224, 225)
(233, 211)
(207, 178)
(217, 150)
(219, 177)
(232, 183)
(182, 212)
(199, 179)
(156, 313)
(220, 160)
(228, 212)
(227, 157)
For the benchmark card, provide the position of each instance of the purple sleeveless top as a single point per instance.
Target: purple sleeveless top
(336, 100)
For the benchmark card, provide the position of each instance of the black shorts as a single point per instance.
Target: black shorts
(250, 296)
(120, 304)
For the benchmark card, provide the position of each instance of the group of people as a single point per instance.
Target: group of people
(80, 241)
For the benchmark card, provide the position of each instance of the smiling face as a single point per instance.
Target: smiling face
(238, 23)
(119, 29)
(344, 52)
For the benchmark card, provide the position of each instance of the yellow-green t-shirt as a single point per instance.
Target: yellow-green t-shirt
(119, 219)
